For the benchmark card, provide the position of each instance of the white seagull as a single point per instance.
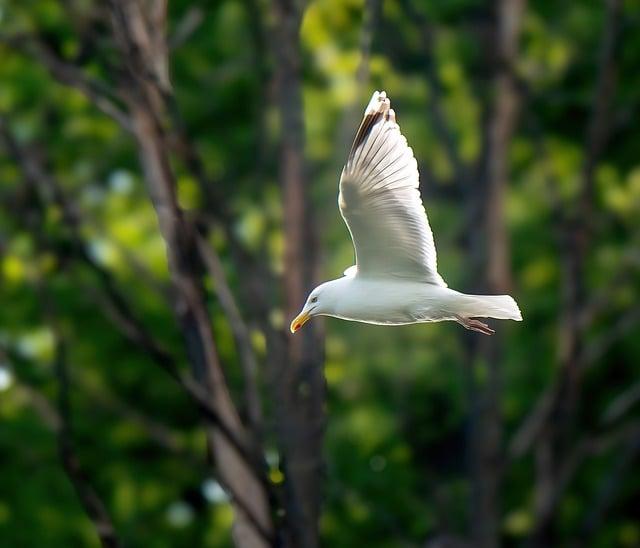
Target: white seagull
(395, 280)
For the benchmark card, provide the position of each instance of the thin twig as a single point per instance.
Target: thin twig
(580, 309)
(88, 496)
(427, 33)
(91, 502)
(142, 41)
(118, 308)
(70, 74)
(240, 331)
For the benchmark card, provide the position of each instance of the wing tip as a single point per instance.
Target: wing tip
(379, 107)
(391, 116)
(379, 104)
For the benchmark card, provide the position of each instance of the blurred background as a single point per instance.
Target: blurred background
(168, 176)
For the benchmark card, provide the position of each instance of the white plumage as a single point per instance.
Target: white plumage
(395, 279)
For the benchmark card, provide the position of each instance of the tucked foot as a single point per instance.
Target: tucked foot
(475, 325)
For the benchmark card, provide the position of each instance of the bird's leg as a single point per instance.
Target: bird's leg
(475, 325)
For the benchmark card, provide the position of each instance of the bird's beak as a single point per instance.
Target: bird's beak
(300, 320)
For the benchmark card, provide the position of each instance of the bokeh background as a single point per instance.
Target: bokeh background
(168, 183)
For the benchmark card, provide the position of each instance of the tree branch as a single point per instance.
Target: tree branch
(427, 34)
(554, 415)
(299, 380)
(91, 502)
(144, 52)
(115, 304)
(87, 495)
(240, 331)
(490, 254)
(69, 74)
(371, 13)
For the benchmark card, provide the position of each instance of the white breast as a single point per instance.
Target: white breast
(390, 302)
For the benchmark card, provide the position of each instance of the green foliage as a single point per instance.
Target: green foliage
(399, 403)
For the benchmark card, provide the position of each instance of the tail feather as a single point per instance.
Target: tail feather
(501, 307)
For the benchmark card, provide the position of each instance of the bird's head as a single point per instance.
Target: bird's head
(319, 302)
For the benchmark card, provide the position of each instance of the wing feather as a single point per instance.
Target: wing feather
(380, 201)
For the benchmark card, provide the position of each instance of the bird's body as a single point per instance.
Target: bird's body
(395, 280)
(384, 302)
(400, 302)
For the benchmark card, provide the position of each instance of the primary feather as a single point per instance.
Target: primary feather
(380, 201)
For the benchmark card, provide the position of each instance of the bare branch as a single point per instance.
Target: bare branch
(144, 51)
(580, 312)
(189, 23)
(42, 406)
(158, 432)
(594, 444)
(490, 254)
(600, 122)
(427, 34)
(501, 126)
(621, 404)
(611, 483)
(577, 228)
(601, 298)
(532, 426)
(240, 331)
(372, 11)
(300, 385)
(91, 502)
(115, 304)
(599, 347)
(70, 74)
(371, 15)
(88, 496)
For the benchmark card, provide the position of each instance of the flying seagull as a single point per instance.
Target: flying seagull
(395, 280)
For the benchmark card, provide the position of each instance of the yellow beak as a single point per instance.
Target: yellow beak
(299, 321)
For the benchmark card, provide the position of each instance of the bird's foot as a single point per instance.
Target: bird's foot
(475, 325)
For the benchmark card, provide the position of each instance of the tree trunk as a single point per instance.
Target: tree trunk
(141, 35)
(555, 437)
(301, 384)
(494, 249)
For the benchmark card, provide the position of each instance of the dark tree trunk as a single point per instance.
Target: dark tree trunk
(140, 34)
(492, 256)
(576, 234)
(301, 384)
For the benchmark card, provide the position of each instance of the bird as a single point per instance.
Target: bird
(395, 280)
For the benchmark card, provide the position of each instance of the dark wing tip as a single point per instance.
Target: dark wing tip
(379, 107)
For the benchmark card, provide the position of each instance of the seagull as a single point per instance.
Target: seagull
(395, 280)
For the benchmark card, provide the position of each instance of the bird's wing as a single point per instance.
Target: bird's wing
(380, 201)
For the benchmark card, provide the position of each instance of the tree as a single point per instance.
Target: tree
(168, 174)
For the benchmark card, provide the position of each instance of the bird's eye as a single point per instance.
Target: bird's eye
(314, 300)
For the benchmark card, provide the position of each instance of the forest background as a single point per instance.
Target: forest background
(168, 177)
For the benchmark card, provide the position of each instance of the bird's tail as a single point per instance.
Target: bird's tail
(502, 307)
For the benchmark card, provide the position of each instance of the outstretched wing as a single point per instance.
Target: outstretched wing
(380, 201)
